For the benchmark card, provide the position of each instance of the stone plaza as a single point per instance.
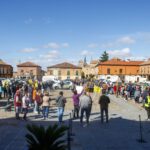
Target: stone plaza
(121, 133)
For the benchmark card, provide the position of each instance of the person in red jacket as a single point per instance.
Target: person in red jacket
(17, 104)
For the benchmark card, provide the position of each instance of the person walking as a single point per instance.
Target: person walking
(25, 105)
(104, 102)
(60, 100)
(147, 106)
(137, 94)
(76, 100)
(38, 99)
(45, 105)
(85, 105)
(34, 100)
(145, 94)
(17, 104)
(90, 106)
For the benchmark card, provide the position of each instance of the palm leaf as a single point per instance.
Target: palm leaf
(51, 138)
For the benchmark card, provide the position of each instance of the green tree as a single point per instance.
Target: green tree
(40, 138)
(104, 57)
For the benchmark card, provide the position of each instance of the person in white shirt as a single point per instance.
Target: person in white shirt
(25, 104)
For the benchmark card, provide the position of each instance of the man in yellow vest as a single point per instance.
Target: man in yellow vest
(147, 106)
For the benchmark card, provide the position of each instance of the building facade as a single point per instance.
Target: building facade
(64, 71)
(6, 70)
(89, 69)
(145, 70)
(29, 70)
(117, 69)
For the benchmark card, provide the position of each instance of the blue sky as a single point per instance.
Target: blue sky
(53, 31)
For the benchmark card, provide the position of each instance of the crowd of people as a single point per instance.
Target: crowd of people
(33, 93)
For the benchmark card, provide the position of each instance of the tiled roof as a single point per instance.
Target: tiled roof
(121, 62)
(28, 64)
(145, 63)
(65, 65)
(3, 63)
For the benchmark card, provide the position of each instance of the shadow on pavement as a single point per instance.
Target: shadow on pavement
(118, 134)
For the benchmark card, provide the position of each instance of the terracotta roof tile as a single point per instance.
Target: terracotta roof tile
(65, 65)
(121, 62)
(28, 64)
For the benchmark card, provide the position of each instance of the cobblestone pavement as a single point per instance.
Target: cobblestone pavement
(121, 133)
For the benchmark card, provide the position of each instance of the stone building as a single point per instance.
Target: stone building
(29, 70)
(117, 69)
(89, 69)
(6, 70)
(64, 71)
(145, 70)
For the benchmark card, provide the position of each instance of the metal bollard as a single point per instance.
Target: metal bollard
(69, 133)
(141, 140)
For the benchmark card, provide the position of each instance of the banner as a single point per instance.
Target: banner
(79, 89)
(97, 89)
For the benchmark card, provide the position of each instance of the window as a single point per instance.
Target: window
(120, 71)
(77, 73)
(59, 72)
(5, 71)
(68, 73)
(31, 72)
(51, 72)
(22, 71)
(108, 71)
(108, 77)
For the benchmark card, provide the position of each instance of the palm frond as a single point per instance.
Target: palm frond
(51, 138)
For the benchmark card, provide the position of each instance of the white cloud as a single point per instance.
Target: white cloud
(137, 58)
(107, 45)
(52, 45)
(123, 53)
(28, 50)
(55, 45)
(28, 21)
(93, 45)
(50, 55)
(125, 40)
(86, 53)
(65, 45)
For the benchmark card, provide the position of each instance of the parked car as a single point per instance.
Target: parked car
(68, 85)
(63, 85)
(56, 85)
(50, 78)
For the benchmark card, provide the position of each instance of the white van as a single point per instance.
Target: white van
(50, 78)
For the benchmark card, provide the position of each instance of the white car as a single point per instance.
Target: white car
(68, 85)
(56, 85)
(65, 85)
